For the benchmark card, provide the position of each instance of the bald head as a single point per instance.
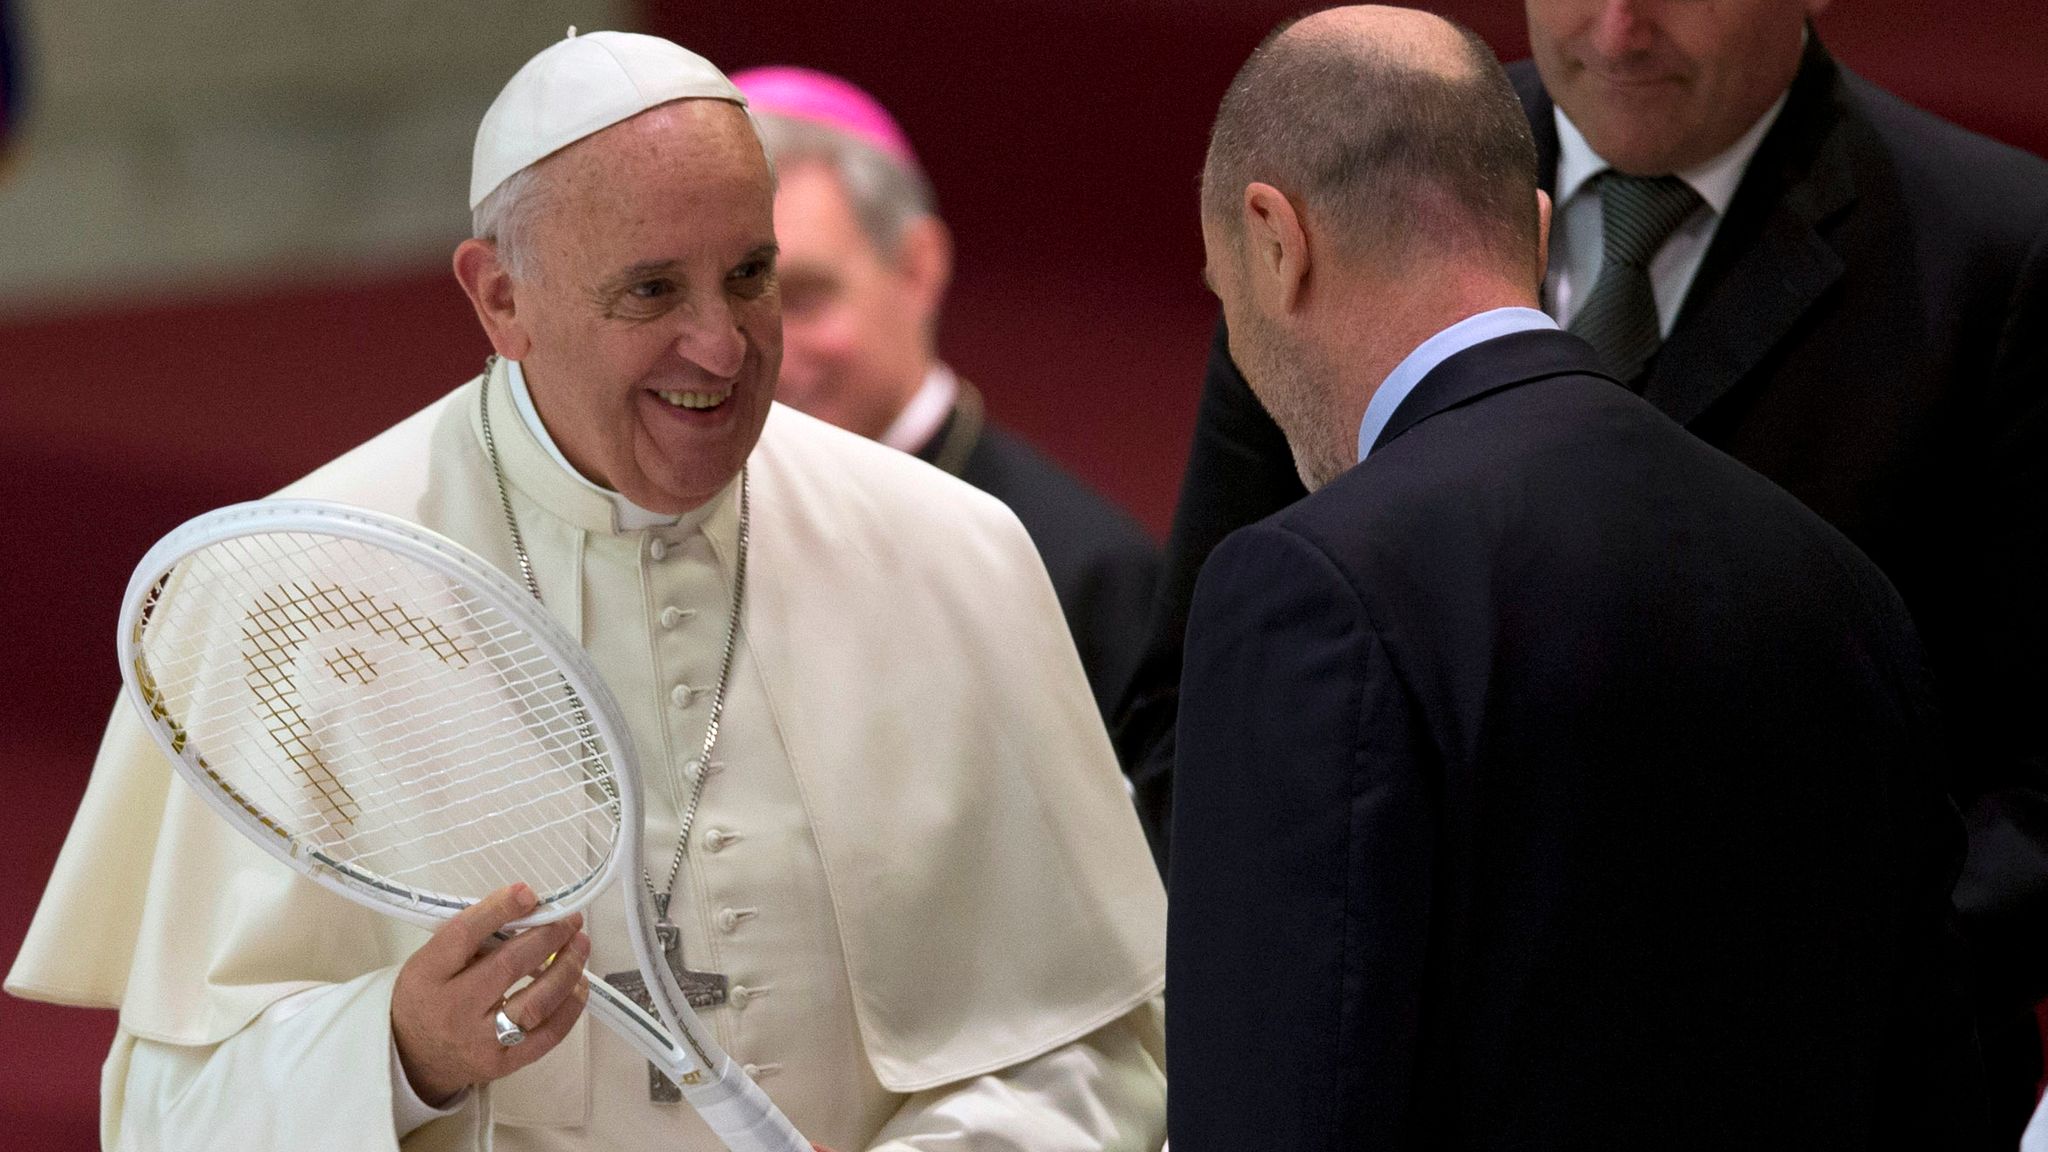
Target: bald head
(1396, 131)
(1427, 42)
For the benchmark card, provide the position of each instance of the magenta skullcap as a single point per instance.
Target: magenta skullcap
(807, 94)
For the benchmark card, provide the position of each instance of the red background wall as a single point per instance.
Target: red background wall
(1064, 138)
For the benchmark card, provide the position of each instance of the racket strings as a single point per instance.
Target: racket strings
(498, 761)
(389, 620)
(373, 710)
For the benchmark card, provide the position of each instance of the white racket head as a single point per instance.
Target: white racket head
(380, 709)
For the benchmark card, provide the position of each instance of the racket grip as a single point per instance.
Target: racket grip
(635, 1026)
(732, 1105)
(735, 1108)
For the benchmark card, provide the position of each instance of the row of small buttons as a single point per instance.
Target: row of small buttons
(713, 839)
(671, 617)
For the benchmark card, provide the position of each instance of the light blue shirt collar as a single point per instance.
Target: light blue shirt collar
(1408, 373)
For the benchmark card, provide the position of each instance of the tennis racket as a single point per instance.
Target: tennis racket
(383, 711)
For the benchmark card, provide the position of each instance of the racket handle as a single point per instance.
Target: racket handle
(735, 1108)
(636, 1026)
(732, 1105)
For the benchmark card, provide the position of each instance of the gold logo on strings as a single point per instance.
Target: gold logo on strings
(350, 666)
(283, 620)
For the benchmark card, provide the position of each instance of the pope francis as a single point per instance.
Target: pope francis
(881, 812)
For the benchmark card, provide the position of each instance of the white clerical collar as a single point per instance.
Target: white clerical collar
(631, 516)
(1715, 180)
(920, 419)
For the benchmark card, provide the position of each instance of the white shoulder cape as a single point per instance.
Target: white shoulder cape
(990, 882)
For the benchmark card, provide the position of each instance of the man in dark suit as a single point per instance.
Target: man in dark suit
(864, 267)
(1863, 319)
(1547, 779)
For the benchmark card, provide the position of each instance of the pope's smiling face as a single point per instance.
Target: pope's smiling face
(648, 321)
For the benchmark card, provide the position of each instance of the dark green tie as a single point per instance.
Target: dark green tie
(1619, 317)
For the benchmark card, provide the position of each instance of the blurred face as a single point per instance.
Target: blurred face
(856, 322)
(650, 324)
(1660, 86)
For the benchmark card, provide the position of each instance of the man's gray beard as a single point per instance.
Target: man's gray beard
(1300, 394)
(1319, 471)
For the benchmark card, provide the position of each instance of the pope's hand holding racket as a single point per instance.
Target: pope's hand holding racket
(397, 720)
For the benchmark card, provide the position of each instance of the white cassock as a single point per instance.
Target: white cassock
(914, 858)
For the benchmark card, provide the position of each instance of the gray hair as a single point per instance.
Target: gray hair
(887, 196)
(505, 218)
(1386, 151)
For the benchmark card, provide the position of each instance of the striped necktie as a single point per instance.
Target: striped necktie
(1619, 317)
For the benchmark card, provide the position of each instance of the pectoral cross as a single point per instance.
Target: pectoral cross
(701, 989)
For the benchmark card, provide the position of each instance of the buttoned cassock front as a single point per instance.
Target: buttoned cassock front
(913, 857)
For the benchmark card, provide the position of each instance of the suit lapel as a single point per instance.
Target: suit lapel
(1768, 264)
(1489, 367)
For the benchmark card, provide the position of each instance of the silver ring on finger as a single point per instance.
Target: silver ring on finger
(510, 1035)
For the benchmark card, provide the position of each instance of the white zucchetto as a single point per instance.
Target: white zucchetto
(578, 86)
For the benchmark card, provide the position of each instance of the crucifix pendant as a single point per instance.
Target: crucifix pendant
(701, 989)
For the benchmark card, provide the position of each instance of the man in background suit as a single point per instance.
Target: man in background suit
(1857, 307)
(864, 267)
(1591, 782)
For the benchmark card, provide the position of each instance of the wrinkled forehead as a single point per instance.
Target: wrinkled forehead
(704, 147)
(681, 179)
(680, 130)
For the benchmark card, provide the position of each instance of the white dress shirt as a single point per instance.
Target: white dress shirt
(1576, 235)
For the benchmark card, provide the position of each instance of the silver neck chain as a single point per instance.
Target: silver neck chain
(732, 631)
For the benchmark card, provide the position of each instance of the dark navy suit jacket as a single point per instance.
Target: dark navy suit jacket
(1869, 329)
(1552, 781)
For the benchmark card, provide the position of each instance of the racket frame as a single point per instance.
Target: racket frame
(649, 1036)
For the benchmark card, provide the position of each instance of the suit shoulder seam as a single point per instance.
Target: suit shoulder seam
(1309, 544)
